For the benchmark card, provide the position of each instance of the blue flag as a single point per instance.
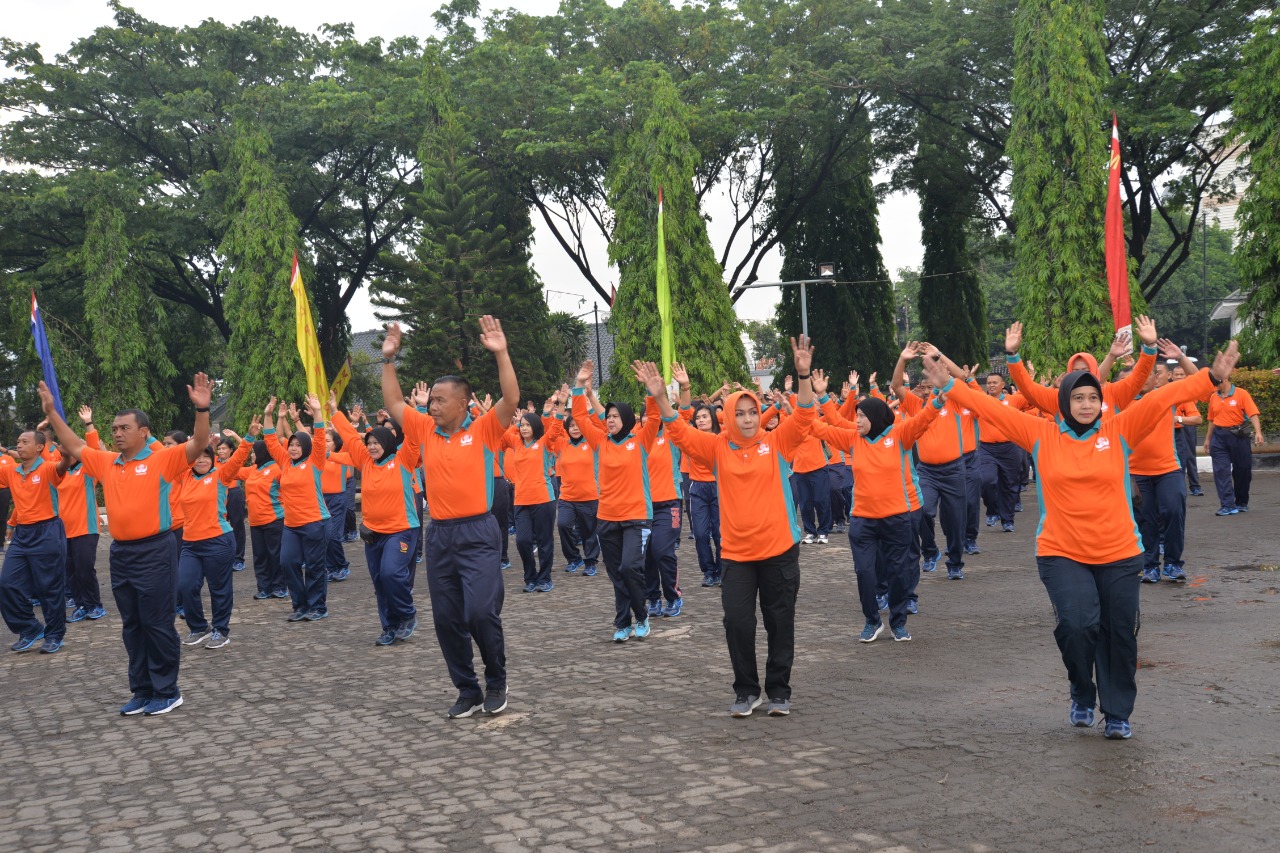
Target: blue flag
(46, 357)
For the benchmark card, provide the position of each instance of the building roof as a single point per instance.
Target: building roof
(600, 350)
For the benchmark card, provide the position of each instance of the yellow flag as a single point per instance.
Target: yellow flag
(308, 343)
(341, 381)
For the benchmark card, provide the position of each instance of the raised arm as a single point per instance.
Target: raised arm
(352, 441)
(1044, 399)
(1138, 420)
(905, 357)
(1123, 391)
(1169, 350)
(200, 392)
(71, 443)
(392, 396)
(494, 340)
(230, 472)
(701, 446)
(592, 431)
(1023, 429)
(681, 376)
(318, 443)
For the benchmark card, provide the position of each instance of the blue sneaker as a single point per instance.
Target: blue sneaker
(882, 602)
(900, 635)
(179, 612)
(159, 705)
(674, 608)
(1242, 508)
(545, 586)
(572, 567)
(280, 593)
(340, 575)
(929, 565)
(386, 638)
(51, 646)
(530, 587)
(1080, 716)
(26, 644)
(642, 629)
(406, 629)
(1017, 507)
(1007, 527)
(261, 595)
(1151, 574)
(1175, 574)
(1118, 729)
(955, 573)
(71, 603)
(237, 566)
(1227, 510)
(972, 548)
(655, 607)
(506, 564)
(316, 615)
(511, 531)
(589, 572)
(870, 631)
(79, 615)
(136, 705)
(621, 635)
(992, 519)
(97, 613)
(913, 607)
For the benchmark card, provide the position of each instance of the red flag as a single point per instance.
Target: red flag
(1117, 256)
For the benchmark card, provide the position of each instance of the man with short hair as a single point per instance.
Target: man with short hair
(34, 563)
(137, 481)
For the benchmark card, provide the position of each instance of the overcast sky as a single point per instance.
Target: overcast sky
(55, 24)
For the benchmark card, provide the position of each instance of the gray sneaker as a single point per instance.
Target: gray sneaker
(779, 707)
(195, 638)
(744, 705)
(217, 640)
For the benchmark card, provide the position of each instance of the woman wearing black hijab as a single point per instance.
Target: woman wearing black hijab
(1088, 551)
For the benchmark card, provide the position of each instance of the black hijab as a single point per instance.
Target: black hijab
(877, 411)
(304, 441)
(261, 456)
(628, 417)
(384, 437)
(1076, 379)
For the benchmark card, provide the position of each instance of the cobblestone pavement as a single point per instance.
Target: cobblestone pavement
(307, 736)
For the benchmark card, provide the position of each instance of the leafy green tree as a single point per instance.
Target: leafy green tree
(1057, 148)
(132, 372)
(767, 342)
(851, 324)
(1182, 308)
(659, 155)
(259, 246)
(952, 310)
(568, 345)
(472, 259)
(1257, 115)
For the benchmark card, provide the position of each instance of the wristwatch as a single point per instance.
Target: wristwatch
(1179, 418)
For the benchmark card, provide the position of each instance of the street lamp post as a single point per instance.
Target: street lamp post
(826, 275)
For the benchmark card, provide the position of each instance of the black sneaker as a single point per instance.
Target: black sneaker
(464, 707)
(496, 701)
(386, 638)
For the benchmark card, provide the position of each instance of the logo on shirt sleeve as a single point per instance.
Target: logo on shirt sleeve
(1103, 443)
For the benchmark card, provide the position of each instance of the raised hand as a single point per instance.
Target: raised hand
(313, 408)
(271, 407)
(333, 404)
(820, 382)
(679, 374)
(584, 373)
(1122, 344)
(802, 354)
(787, 383)
(43, 425)
(227, 433)
(871, 383)
(357, 413)
(421, 395)
(1225, 361)
(1146, 330)
(1013, 338)
(255, 426)
(200, 391)
(649, 376)
(1168, 349)
(383, 416)
(391, 343)
(935, 370)
(912, 350)
(1031, 371)
(853, 380)
(293, 413)
(492, 337)
(86, 415)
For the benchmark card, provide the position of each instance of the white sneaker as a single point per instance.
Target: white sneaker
(821, 540)
(808, 539)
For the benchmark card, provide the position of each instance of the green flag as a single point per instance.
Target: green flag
(664, 300)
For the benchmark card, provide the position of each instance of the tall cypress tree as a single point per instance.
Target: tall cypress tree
(659, 155)
(851, 324)
(133, 367)
(472, 259)
(259, 244)
(953, 312)
(1257, 117)
(1058, 149)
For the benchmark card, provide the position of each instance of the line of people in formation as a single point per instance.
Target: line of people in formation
(758, 474)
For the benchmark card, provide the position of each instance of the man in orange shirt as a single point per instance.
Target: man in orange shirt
(1000, 459)
(136, 481)
(35, 561)
(1189, 420)
(463, 544)
(78, 507)
(1228, 445)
